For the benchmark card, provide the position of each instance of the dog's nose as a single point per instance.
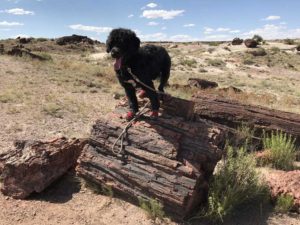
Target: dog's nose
(115, 52)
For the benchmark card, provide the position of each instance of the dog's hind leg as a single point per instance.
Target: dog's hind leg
(165, 74)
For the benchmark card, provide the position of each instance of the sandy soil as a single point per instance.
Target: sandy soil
(41, 101)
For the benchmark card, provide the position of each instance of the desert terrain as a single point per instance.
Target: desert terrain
(64, 94)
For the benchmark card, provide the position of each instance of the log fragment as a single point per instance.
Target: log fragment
(202, 83)
(33, 166)
(233, 114)
(170, 160)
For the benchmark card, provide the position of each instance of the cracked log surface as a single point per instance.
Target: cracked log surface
(233, 114)
(170, 159)
(34, 165)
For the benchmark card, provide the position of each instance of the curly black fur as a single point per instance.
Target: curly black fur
(147, 63)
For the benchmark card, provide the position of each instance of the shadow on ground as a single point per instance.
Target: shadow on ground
(60, 191)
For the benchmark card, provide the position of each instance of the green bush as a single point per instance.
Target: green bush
(235, 184)
(216, 62)
(258, 38)
(189, 62)
(289, 41)
(153, 207)
(275, 50)
(284, 203)
(282, 150)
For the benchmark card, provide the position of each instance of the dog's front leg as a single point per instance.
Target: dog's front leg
(130, 94)
(153, 96)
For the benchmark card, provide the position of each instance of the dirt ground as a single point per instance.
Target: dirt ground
(62, 97)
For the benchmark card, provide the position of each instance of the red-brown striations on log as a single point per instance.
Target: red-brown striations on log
(33, 166)
(170, 159)
(233, 114)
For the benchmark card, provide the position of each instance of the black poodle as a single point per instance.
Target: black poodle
(147, 63)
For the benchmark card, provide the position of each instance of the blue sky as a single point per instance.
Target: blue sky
(156, 20)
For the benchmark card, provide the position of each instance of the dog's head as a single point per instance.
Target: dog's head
(122, 43)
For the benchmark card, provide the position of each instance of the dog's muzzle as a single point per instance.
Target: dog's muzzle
(115, 53)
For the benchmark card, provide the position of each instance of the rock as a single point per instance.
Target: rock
(237, 41)
(201, 83)
(284, 183)
(75, 39)
(20, 51)
(257, 52)
(33, 166)
(298, 48)
(24, 40)
(250, 43)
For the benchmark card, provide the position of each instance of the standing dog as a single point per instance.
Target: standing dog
(147, 63)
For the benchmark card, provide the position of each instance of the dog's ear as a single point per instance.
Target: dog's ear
(135, 44)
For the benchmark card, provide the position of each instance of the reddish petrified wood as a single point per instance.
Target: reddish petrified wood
(233, 114)
(33, 166)
(170, 159)
(284, 183)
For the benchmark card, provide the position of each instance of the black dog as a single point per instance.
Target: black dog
(147, 63)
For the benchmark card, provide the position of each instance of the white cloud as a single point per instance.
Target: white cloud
(234, 31)
(208, 30)
(151, 5)
(272, 31)
(182, 38)
(164, 28)
(218, 37)
(222, 29)
(272, 18)
(164, 14)
(164, 37)
(153, 37)
(152, 23)
(90, 28)
(10, 24)
(130, 16)
(18, 11)
(189, 25)
(21, 35)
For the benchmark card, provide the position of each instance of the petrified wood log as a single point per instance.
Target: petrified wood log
(202, 83)
(170, 160)
(33, 166)
(233, 114)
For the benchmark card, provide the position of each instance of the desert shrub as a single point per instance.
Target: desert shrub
(289, 41)
(153, 208)
(53, 109)
(235, 184)
(97, 188)
(45, 56)
(216, 62)
(189, 62)
(284, 203)
(214, 43)
(257, 52)
(258, 38)
(248, 62)
(41, 39)
(281, 149)
(275, 50)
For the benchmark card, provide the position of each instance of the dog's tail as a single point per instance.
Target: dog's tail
(165, 73)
